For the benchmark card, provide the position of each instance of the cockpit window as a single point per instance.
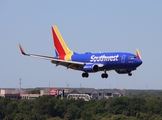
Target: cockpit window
(132, 57)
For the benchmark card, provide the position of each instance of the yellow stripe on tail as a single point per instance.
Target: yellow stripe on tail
(68, 53)
(67, 50)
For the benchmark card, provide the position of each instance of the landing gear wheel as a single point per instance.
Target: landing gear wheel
(104, 75)
(85, 75)
(129, 74)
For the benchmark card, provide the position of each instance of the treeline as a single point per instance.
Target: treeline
(51, 108)
(144, 93)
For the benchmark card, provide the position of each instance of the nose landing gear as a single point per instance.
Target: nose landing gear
(129, 74)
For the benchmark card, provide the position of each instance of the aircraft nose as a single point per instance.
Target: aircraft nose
(139, 61)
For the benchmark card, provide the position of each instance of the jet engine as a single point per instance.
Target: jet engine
(90, 67)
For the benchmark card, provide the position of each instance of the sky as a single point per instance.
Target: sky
(86, 26)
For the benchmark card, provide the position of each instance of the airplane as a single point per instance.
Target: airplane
(121, 62)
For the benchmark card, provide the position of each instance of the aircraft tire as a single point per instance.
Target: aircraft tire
(85, 75)
(104, 75)
(129, 74)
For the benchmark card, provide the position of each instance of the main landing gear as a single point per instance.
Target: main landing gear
(85, 75)
(104, 75)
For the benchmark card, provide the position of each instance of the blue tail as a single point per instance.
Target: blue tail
(56, 53)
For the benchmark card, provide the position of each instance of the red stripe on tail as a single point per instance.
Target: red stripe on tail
(58, 45)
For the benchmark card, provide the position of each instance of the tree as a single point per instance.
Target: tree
(35, 91)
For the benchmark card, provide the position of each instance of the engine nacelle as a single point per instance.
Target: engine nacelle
(122, 71)
(90, 68)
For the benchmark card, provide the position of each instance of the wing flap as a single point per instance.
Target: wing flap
(69, 64)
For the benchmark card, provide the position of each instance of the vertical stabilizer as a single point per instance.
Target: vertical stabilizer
(138, 54)
(62, 51)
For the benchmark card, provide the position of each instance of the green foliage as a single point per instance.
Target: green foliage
(144, 93)
(122, 117)
(51, 108)
(55, 118)
(35, 91)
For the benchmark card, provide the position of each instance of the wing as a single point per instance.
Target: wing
(69, 64)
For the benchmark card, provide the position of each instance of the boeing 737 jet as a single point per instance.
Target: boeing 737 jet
(121, 62)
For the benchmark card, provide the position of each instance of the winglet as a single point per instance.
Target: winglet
(138, 54)
(21, 49)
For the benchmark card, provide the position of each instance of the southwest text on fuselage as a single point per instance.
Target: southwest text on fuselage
(104, 58)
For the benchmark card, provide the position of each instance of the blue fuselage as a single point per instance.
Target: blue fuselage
(110, 61)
